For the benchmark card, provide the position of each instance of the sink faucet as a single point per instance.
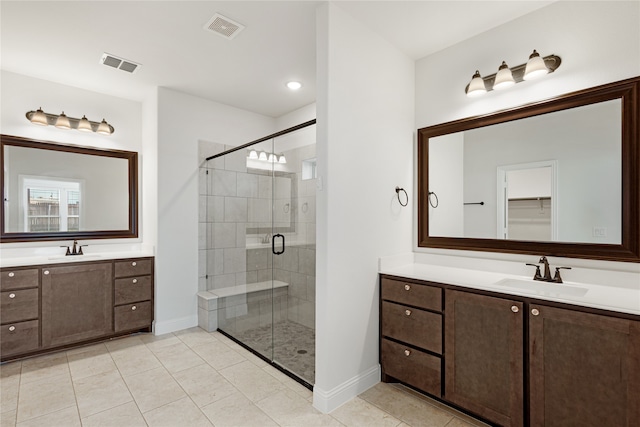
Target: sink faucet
(547, 271)
(77, 249)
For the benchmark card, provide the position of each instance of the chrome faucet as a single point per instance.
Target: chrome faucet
(547, 271)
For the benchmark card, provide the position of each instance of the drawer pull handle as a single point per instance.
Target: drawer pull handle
(515, 308)
(134, 263)
(46, 272)
(12, 328)
(407, 287)
(133, 308)
(12, 274)
(12, 296)
(407, 312)
(135, 280)
(407, 352)
(535, 311)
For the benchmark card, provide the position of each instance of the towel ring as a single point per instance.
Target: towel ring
(406, 196)
(431, 193)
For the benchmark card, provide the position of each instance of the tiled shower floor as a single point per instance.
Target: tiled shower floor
(294, 346)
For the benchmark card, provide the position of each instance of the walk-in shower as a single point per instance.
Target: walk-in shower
(257, 246)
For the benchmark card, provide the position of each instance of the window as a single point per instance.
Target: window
(51, 204)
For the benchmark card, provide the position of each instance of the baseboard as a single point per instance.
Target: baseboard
(173, 325)
(326, 401)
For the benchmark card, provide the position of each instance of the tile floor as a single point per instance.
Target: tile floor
(188, 378)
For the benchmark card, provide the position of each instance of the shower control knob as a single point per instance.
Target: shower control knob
(407, 287)
(407, 312)
(407, 352)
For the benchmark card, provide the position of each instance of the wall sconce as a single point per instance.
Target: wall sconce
(507, 77)
(267, 157)
(61, 121)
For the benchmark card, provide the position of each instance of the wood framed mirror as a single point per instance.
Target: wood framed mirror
(53, 191)
(559, 177)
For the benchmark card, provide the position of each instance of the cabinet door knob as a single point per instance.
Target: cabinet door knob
(12, 328)
(133, 308)
(46, 272)
(407, 312)
(407, 352)
(535, 311)
(12, 296)
(407, 287)
(12, 274)
(134, 263)
(135, 280)
(515, 308)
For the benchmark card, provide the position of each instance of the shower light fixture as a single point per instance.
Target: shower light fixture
(507, 77)
(62, 121)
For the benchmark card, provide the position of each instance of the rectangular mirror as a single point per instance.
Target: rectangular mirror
(558, 177)
(57, 192)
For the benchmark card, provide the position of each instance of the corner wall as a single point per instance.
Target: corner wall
(364, 150)
(183, 120)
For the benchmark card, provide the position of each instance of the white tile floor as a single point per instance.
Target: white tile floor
(188, 378)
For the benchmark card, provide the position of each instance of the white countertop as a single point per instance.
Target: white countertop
(62, 259)
(606, 297)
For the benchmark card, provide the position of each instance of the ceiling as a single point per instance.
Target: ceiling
(63, 41)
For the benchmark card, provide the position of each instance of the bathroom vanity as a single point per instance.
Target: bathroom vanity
(513, 358)
(69, 301)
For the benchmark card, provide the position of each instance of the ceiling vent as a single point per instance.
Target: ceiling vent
(119, 63)
(223, 26)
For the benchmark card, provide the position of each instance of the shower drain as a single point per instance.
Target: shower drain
(302, 351)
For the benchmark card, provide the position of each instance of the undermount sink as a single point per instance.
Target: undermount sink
(543, 288)
(75, 257)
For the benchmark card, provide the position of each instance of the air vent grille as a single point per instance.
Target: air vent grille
(223, 26)
(119, 63)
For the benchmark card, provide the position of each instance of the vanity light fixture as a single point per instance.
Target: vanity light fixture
(267, 157)
(506, 77)
(62, 121)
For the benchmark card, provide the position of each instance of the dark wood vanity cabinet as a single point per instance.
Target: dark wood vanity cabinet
(19, 311)
(46, 307)
(584, 369)
(77, 303)
(484, 356)
(515, 361)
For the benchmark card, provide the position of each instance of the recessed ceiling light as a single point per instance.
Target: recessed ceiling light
(294, 85)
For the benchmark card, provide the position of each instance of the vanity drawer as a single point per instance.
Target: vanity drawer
(19, 337)
(412, 366)
(132, 316)
(133, 267)
(132, 289)
(19, 305)
(413, 326)
(18, 279)
(423, 296)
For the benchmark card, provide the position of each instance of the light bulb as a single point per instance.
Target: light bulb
(504, 78)
(253, 154)
(62, 122)
(39, 118)
(84, 125)
(104, 128)
(263, 156)
(535, 67)
(476, 86)
(282, 160)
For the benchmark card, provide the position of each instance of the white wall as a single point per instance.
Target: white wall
(20, 93)
(599, 42)
(183, 120)
(364, 150)
(446, 161)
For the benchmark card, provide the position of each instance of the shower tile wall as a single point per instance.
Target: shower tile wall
(232, 201)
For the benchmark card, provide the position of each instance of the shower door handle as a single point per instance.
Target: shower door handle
(273, 244)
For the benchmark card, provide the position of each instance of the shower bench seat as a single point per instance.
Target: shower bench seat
(235, 300)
